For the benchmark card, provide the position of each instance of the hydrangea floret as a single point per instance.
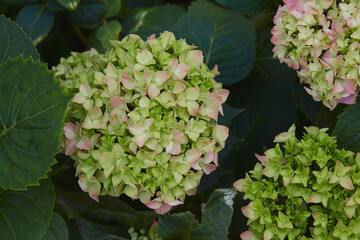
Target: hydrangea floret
(320, 39)
(303, 189)
(143, 119)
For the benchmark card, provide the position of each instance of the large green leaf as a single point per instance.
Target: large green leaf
(112, 8)
(244, 6)
(348, 128)
(306, 103)
(95, 231)
(89, 13)
(14, 42)
(31, 121)
(109, 210)
(69, 4)
(215, 220)
(57, 229)
(267, 96)
(156, 20)
(25, 215)
(107, 32)
(36, 21)
(226, 38)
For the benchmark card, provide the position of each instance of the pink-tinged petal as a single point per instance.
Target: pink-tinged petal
(209, 157)
(216, 159)
(248, 211)
(161, 77)
(85, 89)
(329, 76)
(154, 204)
(173, 148)
(111, 84)
(223, 93)
(175, 203)
(338, 87)
(70, 131)
(349, 99)
(239, 185)
(215, 71)
(193, 108)
(315, 198)
(192, 155)
(208, 168)
(70, 147)
(149, 76)
(181, 71)
(263, 159)
(152, 36)
(177, 136)
(349, 86)
(210, 112)
(213, 100)
(148, 122)
(351, 202)
(128, 82)
(95, 113)
(83, 143)
(153, 91)
(117, 102)
(144, 197)
(314, 94)
(94, 190)
(350, 211)
(137, 129)
(196, 164)
(82, 183)
(179, 87)
(140, 140)
(346, 182)
(220, 133)
(163, 209)
(79, 98)
(248, 235)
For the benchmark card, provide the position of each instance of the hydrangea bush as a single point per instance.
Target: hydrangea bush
(143, 119)
(303, 189)
(320, 39)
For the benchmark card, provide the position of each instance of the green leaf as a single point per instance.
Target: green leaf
(69, 4)
(89, 13)
(244, 6)
(107, 32)
(31, 121)
(229, 114)
(156, 20)
(348, 127)
(57, 229)
(306, 103)
(112, 8)
(25, 215)
(36, 21)
(215, 220)
(269, 103)
(226, 38)
(95, 231)
(14, 42)
(109, 210)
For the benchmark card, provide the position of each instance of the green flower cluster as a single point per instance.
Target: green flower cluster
(143, 119)
(304, 189)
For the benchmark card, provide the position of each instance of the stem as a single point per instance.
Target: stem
(81, 35)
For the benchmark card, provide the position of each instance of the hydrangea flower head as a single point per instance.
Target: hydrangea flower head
(303, 189)
(320, 39)
(142, 121)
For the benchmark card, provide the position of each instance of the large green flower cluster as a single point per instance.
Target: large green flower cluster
(143, 119)
(320, 39)
(304, 189)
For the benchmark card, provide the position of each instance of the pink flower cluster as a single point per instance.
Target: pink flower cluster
(320, 39)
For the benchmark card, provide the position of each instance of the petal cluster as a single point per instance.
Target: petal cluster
(304, 189)
(142, 121)
(320, 39)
